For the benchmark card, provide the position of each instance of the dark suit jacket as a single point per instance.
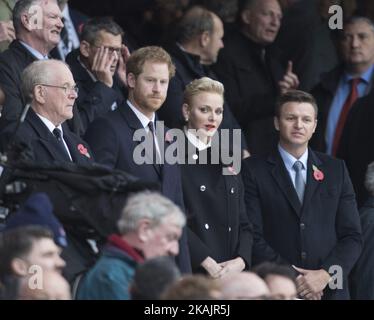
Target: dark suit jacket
(12, 63)
(111, 139)
(324, 93)
(325, 231)
(356, 146)
(95, 98)
(215, 210)
(43, 143)
(251, 88)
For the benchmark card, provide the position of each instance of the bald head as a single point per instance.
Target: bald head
(244, 285)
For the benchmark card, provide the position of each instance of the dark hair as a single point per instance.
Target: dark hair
(295, 96)
(93, 26)
(153, 277)
(268, 268)
(19, 9)
(355, 19)
(194, 22)
(18, 242)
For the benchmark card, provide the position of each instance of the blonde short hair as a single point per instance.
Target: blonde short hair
(204, 84)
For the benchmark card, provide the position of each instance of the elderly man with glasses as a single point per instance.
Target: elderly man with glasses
(50, 90)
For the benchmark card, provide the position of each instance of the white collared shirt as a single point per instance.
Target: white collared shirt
(34, 52)
(200, 145)
(289, 160)
(145, 121)
(51, 127)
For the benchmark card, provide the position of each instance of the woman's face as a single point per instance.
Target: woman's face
(204, 114)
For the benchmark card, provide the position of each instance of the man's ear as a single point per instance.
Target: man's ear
(39, 94)
(84, 48)
(315, 125)
(144, 229)
(131, 80)
(26, 22)
(246, 16)
(19, 267)
(276, 123)
(204, 39)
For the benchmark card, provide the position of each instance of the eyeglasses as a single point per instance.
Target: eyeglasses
(67, 89)
(111, 50)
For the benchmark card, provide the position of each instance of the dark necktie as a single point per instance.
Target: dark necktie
(155, 155)
(58, 135)
(299, 181)
(352, 97)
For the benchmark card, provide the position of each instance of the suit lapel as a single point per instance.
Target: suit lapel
(46, 138)
(134, 123)
(283, 179)
(311, 183)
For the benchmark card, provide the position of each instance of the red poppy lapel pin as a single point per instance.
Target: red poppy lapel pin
(168, 137)
(317, 174)
(232, 170)
(83, 150)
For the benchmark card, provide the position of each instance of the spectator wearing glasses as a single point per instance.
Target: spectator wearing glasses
(51, 91)
(98, 66)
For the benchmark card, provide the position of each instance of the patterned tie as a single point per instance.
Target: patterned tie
(299, 181)
(58, 135)
(352, 97)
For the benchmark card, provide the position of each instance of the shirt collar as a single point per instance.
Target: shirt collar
(142, 118)
(34, 52)
(92, 76)
(200, 145)
(366, 76)
(50, 125)
(289, 160)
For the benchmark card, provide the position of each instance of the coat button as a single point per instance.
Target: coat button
(202, 188)
(302, 226)
(303, 255)
(195, 156)
(229, 229)
(206, 226)
(232, 191)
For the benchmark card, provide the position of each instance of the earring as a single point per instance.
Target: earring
(186, 119)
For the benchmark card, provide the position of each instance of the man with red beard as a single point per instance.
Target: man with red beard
(148, 70)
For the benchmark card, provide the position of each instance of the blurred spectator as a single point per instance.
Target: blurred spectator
(227, 10)
(53, 287)
(252, 72)
(280, 279)
(7, 34)
(193, 287)
(342, 86)
(150, 226)
(362, 276)
(198, 41)
(73, 23)
(99, 68)
(244, 286)
(152, 277)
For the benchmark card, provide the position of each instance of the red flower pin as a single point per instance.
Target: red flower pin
(168, 137)
(83, 150)
(317, 174)
(232, 170)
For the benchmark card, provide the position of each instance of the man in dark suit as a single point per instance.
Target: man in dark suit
(149, 70)
(341, 87)
(35, 38)
(252, 71)
(302, 205)
(98, 66)
(51, 91)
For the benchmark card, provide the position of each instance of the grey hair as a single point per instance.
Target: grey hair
(93, 26)
(38, 72)
(195, 21)
(369, 179)
(148, 205)
(21, 7)
(355, 19)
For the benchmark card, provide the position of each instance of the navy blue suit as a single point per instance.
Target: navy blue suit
(111, 139)
(322, 232)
